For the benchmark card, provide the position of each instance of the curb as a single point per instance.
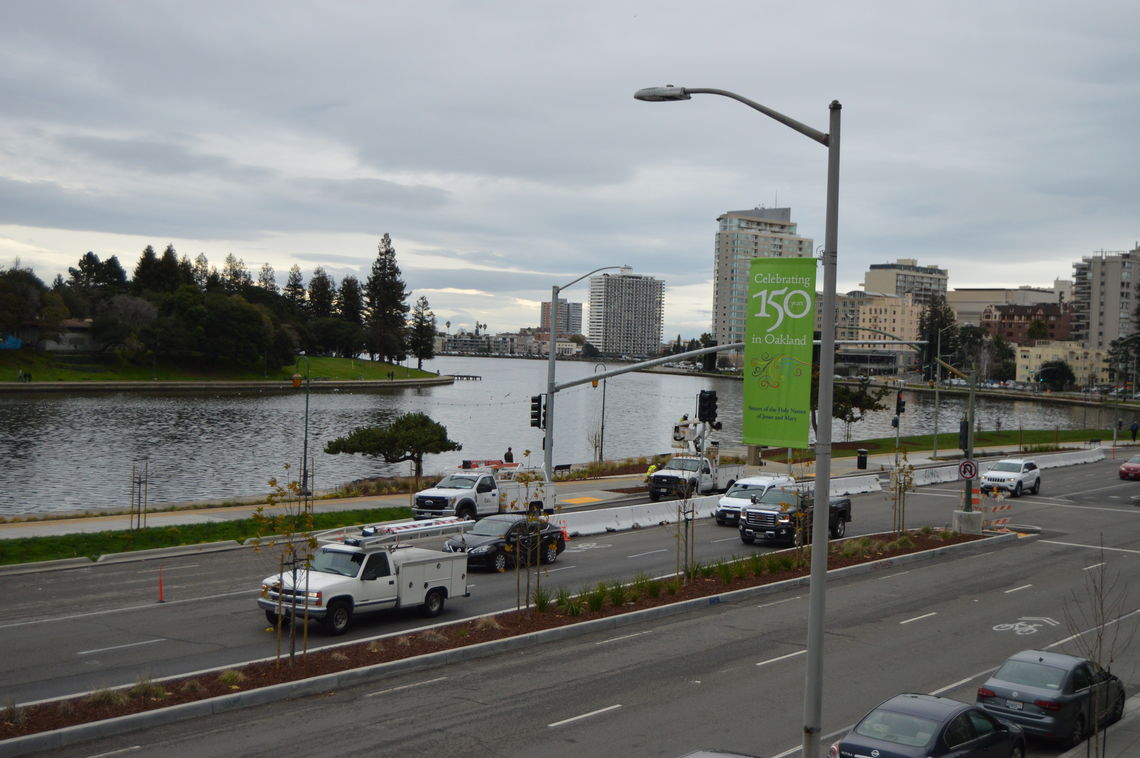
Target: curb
(53, 740)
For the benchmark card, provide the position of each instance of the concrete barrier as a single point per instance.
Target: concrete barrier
(935, 475)
(855, 485)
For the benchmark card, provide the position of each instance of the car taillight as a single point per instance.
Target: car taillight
(983, 692)
(1048, 705)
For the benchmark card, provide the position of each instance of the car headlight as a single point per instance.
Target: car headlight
(481, 549)
(783, 519)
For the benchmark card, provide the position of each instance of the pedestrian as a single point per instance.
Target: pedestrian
(1135, 426)
(649, 471)
(508, 457)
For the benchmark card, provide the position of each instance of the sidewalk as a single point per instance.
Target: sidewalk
(1122, 739)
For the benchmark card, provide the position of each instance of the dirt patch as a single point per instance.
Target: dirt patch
(607, 600)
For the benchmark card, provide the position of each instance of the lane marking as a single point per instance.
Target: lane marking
(120, 647)
(893, 575)
(782, 658)
(777, 602)
(623, 637)
(406, 686)
(1094, 566)
(1091, 547)
(572, 719)
(120, 751)
(651, 552)
(170, 568)
(724, 539)
(1018, 589)
(919, 618)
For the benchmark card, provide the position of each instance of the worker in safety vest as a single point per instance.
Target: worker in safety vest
(649, 471)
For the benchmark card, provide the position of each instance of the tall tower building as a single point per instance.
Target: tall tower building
(625, 314)
(569, 317)
(925, 283)
(742, 236)
(1105, 295)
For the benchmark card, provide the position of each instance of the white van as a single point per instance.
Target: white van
(741, 493)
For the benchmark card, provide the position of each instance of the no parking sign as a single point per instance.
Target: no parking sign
(967, 469)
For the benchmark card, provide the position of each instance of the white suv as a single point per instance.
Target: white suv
(1013, 475)
(741, 493)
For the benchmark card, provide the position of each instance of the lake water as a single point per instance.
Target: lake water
(65, 453)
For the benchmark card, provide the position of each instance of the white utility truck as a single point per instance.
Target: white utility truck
(367, 569)
(698, 470)
(474, 493)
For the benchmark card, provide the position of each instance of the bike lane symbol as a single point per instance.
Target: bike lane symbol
(1026, 625)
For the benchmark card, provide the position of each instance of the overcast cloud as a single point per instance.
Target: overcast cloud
(499, 144)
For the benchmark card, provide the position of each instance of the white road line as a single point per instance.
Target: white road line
(651, 552)
(130, 749)
(170, 568)
(782, 658)
(777, 602)
(1094, 566)
(1018, 589)
(893, 575)
(572, 719)
(406, 686)
(1092, 547)
(725, 539)
(554, 570)
(166, 604)
(623, 637)
(919, 618)
(120, 647)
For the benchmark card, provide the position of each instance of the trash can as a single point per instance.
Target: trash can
(861, 459)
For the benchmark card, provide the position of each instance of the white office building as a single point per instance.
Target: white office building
(625, 314)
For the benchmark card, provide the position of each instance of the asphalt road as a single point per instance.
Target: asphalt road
(731, 676)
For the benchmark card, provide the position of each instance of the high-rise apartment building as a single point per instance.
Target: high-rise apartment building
(1105, 290)
(742, 236)
(925, 283)
(569, 317)
(625, 314)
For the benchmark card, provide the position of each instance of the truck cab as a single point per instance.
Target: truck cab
(785, 514)
(743, 493)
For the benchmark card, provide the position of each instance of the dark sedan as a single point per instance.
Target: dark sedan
(1052, 695)
(922, 726)
(495, 541)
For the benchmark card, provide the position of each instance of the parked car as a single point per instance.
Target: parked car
(1130, 469)
(1053, 695)
(1013, 475)
(743, 492)
(496, 541)
(927, 726)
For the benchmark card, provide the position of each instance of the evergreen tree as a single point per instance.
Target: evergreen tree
(266, 279)
(385, 309)
(169, 276)
(936, 318)
(322, 292)
(201, 271)
(235, 276)
(295, 287)
(148, 273)
(421, 335)
(350, 301)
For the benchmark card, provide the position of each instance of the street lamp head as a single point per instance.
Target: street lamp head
(661, 94)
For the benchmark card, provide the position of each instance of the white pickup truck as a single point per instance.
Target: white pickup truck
(368, 571)
(472, 494)
(688, 475)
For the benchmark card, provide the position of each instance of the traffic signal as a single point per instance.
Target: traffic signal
(537, 412)
(964, 434)
(706, 406)
(900, 404)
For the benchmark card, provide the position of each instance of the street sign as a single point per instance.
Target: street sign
(967, 469)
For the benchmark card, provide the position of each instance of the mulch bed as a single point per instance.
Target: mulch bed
(145, 695)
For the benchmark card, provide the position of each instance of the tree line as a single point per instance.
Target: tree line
(175, 309)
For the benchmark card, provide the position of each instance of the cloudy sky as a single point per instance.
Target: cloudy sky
(499, 144)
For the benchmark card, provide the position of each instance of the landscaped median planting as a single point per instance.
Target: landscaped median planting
(547, 611)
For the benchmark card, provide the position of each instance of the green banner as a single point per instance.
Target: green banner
(777, 352)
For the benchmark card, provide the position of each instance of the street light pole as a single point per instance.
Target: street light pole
(813, 692)
(602, 430)
(305, 491)
(548, 440)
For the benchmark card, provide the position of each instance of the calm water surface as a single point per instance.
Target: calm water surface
(77, 452)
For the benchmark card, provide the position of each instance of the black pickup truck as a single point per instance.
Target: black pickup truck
(785, 514)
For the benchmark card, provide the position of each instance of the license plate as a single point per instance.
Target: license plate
(1013, 705)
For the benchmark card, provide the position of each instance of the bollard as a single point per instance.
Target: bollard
(160, 599)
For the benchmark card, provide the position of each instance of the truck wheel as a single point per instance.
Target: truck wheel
(534, 510)
(654, 495)
(466, 512)
(747, 540)
(433, 604)
(500, 562)
(271, 617)
(550, 553)
(338, 616)
(730, 483)
(839, 528)
(687, 489)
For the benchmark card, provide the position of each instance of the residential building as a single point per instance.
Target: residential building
(969, 302)
(924, 283)
(741, 236)
(1105, 297)
(1089, 365)
(885, 317)
(1013, 321)
(625, 314)
(569, 317)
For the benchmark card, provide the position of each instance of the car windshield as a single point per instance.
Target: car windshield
(744, 490)
(785, 499)
(1031, 674)
(458, 482)
(1006, 466)
(684, 464)
(491, 527)
(1134, 459)
(337, 562)
(899, 728)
